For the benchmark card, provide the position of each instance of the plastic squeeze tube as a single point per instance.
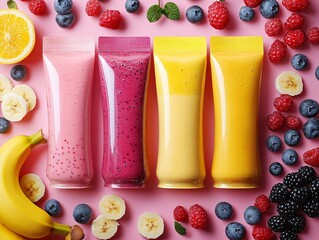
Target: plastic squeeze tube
(236, 65)
(180, 70)
(69, 65)
(124, 65)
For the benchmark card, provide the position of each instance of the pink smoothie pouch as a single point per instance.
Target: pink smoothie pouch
(123, 68)
(69, 68)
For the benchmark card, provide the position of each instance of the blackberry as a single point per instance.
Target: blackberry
(307, 173)
(314, 188)
(288, 235)
(278, 223)
(293, 180)
(279, 192)
(300, 194)
(288, 208)
(297, 223)
(311, 208)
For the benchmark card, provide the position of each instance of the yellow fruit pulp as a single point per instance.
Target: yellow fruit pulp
(17, 36)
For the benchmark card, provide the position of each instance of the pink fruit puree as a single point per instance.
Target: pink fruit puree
(69, 106)
(123, 73)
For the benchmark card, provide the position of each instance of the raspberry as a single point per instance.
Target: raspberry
(218, 15)
(93, 8)
(311, 157)
(198, 216)
(294, 38)
(262, 202)
(273, 26)
(296, 6)
(110, 19)
(294, 21)
(252, 3)
(275, 121)
(293, 122)
(38, 7)
(180, 214)
(313, 35)
(277, 51)
(283, 103)
(262, 233)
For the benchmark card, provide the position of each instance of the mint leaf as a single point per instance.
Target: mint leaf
(171, 11)
(12, 4)
(154, 13)
(179, 228)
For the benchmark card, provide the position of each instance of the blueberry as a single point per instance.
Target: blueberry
(273, 143)
(18, 72)
(269, 8)
(246, 13)
(53, 207)
(276, 169)
(311, 128)
(82, 213)
(235, 231)
(132, 6)
(65, 21)
(317, 73)
(252, 215)
(63, 6)
(289, 156)
(299, 61)
(292, 137)
(4, 125)
(194, 14)
(223, 210)
(309, 108)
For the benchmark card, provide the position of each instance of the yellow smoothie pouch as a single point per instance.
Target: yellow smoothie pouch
(180, 71)
(236, 66)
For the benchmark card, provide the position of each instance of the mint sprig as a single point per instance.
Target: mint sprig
(170, 10)
(179, 228)
(12, 4)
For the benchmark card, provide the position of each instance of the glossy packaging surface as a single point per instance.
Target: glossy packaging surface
(124, 66)
(236, 64)
(180, 70)
(69, 67)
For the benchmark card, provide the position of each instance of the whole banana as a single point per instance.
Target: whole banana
(17, 212)
(7, 234)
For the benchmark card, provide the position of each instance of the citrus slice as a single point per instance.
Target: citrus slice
(17, 36)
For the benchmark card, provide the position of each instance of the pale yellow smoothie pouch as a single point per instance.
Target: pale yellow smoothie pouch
(236, 65)
(180, 70)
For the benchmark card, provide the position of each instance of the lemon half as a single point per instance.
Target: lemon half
(17, 36)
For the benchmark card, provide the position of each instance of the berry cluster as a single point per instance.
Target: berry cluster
(197, 217)
(276, 121)
(295, 198)
(109, 18)
(294, 36)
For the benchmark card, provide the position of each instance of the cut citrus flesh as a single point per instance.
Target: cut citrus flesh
(17, 36)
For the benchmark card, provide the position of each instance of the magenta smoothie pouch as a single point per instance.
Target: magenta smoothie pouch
(123, 67)
(69, 68)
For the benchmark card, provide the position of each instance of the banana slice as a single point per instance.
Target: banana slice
(27, 93)
(5, 86)
(32, 186)
(112, 207)
(150, 225)
(14, 107)
(289, 82)
(104, 228)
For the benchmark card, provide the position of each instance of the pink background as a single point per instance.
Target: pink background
(151, 198)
